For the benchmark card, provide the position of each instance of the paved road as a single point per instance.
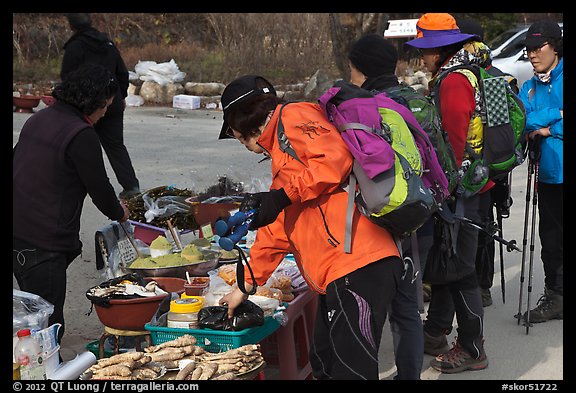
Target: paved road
(172, 146)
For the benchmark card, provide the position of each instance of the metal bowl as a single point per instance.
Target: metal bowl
(200, 268)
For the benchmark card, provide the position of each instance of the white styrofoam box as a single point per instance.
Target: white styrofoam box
(184, 101)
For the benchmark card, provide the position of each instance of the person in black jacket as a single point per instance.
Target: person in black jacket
(372, 61)
(57, 161)
(88, 45)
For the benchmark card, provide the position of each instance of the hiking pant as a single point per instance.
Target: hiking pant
(43, 273)
(463, 296)
(110, 130)
(406, 325)
(350, 320)
(551, 231)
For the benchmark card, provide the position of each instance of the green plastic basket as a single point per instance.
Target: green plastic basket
(94, 348)
(215, 340)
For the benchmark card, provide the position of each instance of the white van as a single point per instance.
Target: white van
(509, 56)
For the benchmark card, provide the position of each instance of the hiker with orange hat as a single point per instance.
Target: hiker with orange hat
(443, 46)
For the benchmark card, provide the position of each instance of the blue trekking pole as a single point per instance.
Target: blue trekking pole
(233, 230)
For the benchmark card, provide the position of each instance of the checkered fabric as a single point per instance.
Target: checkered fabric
(496, 101)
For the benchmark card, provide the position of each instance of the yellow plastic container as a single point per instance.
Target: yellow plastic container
(184, 312)
(15, 371)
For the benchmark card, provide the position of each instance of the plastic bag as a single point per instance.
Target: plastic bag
(104, 300)
(164, 206)
(134, 100)
(246, 315)
(267, 304)
(29, 311)
(216, 289)
(161, 73)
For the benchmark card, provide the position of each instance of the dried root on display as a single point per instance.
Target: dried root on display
(202, 365)
(191, 361)
(181, 341)
(125, 366)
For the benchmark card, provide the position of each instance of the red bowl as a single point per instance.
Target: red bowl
(25, 103)
(133, 314)
(48, 100)
(129, 314)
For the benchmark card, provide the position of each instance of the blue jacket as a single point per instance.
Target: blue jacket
(543, 103)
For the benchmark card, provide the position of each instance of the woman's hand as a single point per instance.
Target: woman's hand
(126, 215)
(234, 299)
(545, 131)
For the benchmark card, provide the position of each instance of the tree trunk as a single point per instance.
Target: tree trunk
(345, 28)
(340, 42)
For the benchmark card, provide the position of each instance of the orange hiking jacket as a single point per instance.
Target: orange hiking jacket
(312, 227)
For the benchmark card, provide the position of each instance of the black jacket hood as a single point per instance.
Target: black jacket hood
(94, 40)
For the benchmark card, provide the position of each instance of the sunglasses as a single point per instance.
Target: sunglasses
(537, 49)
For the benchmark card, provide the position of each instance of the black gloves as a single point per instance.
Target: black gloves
(501, 197)
(267, 204)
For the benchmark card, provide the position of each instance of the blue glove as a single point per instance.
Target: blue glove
(268, 206)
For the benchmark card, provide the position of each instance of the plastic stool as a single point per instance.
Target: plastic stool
(116, 333)
(292, 341)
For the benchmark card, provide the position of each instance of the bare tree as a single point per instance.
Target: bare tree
(346, 27)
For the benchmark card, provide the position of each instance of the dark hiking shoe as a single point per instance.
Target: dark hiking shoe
(426, 292)
(549, 306)
(486, 297)
(435, 345)
(457, 360)
(128, 194)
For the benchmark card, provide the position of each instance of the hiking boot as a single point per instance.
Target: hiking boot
(435, 345)
(457, 360)
(486, 297)
(128, 194)
(549, 306)
(426, 292)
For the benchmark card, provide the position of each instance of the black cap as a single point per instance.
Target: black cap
(470, 26)
(240, 90)
(373, 55)
(541, 32)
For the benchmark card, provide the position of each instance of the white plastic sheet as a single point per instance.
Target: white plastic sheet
(161, 73)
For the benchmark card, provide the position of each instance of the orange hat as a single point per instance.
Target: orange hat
(435, 30)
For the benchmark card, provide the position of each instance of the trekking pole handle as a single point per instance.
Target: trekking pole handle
(510, 245)
(232, 231)
(534, 148)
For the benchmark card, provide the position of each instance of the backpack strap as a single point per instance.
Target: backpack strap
(356, 126)
(283, 141)
(435, 94)
(286, 147)
(349, 214)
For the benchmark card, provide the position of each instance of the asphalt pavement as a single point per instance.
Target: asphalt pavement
(180, 147)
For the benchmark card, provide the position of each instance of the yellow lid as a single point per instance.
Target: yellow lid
(184, 296)
(188, 305)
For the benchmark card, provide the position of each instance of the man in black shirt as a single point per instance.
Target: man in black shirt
(88, 45)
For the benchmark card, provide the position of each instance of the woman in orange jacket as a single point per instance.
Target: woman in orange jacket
(304, 214)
